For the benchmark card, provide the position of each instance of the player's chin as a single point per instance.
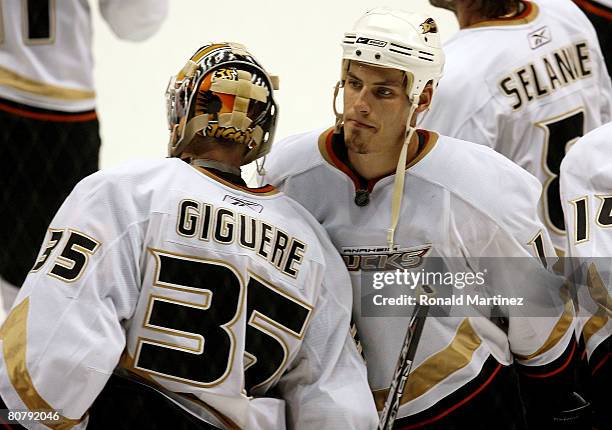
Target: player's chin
(356, 144)
(356, 137)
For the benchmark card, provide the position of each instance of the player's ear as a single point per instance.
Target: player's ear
(425, 98)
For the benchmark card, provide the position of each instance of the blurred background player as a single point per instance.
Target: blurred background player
(206, 290)
(526, 79)
(49, 137)
(600, 14)
(391, 195)
(586, 184)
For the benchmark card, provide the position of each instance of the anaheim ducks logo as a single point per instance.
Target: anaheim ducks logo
(429, 26)
(381, 258)
(229, 133)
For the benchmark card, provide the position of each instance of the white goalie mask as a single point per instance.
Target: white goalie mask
(224, 93)
(398, 40)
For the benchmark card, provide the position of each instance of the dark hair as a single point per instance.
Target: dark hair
(494, 8)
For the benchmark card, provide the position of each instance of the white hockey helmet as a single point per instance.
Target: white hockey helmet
(224, 93)
(399, 40)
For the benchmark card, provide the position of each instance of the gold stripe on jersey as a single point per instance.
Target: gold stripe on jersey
(266, 190)
(594, 324)
(21, 83)
(598, 291)
(599, 294)
(442, 364)
(529, 13)
(439, 366)
(14, 334)
(559, 330)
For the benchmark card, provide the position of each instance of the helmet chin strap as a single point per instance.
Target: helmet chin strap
(400, 175)
(400, 170)
(260, 167)
(339, 116)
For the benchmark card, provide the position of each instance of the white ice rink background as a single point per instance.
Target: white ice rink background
(297, 40)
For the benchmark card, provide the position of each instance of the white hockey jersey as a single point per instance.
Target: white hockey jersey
(527, 87)
(45, 47)
(586, 193)
(460, 200)
(206, 289)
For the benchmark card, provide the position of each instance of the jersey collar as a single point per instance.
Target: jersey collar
(332, 149)
(266, 190)
(530, 12)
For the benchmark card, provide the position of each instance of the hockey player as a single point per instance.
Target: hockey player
(586, 181)
(526, 79)
(209, 293)
(389, 194)
(47, 107)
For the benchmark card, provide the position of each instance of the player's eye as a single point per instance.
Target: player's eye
(384, 92)
(354, 84)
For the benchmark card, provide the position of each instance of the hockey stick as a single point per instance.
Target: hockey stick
(404, 362)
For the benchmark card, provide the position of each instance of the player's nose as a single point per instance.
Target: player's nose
(362, 104)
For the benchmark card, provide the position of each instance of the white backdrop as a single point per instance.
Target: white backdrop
(298, 41)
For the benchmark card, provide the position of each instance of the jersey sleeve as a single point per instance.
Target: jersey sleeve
(135, 20)
(540, 332)
(510, 241)
(585, 185)
(522, 257)
(508, 224)
(327, 387)
(64, 335)
(606, 95)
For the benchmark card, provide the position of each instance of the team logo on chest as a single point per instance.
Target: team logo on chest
(382, 258)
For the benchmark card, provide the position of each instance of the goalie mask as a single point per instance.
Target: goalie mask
(222, 92)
